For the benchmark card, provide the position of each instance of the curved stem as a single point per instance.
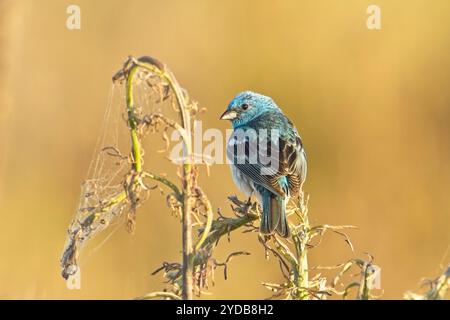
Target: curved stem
(167, 182)
(209, 220)
(158, 68)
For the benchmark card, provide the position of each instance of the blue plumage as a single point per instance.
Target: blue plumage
(267, 156)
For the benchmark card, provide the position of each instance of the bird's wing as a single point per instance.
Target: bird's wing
(258, 159)
(244, 152)
(293, 159)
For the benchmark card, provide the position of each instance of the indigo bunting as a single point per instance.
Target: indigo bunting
(263, 135)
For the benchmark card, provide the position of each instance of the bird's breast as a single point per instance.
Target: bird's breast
(241, 181)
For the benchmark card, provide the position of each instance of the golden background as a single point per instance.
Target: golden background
(373, 109)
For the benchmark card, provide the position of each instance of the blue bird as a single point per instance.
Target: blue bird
(267, 157)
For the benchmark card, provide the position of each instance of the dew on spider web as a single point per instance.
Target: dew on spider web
(104, 200)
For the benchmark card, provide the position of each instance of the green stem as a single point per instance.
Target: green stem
(209, 220)
(135, 145)
(188, 252)
(225, 226)
(301, 271)
(166, 182)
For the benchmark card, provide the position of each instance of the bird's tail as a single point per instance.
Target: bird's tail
(274, 215)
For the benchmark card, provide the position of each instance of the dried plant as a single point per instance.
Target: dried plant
(365, 282)
(119, 183)
(104, 199)
(437, 288)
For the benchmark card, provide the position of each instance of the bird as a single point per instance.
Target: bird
(261, 131)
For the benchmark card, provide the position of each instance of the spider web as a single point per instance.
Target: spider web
(104, 200)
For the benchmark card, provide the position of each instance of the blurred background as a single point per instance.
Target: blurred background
(373, 109)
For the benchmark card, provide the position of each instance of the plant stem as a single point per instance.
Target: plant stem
(156, 295)
(209, 221)
(188, 252)
(188, 258)
(167, 182)
(303, 277)
(135, 145)
(301, 242)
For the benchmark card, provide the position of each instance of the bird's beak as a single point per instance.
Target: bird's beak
(229, 115)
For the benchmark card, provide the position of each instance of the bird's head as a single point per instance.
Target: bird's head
(246, 106)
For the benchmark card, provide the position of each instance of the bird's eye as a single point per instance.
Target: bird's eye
(244, 106)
